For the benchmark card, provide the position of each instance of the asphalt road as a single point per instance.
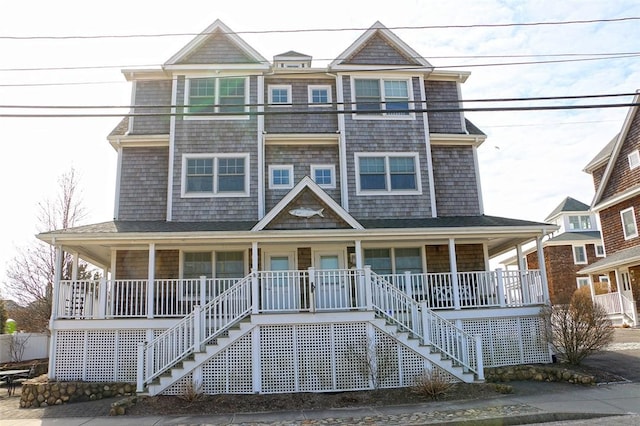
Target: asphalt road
(621, 357)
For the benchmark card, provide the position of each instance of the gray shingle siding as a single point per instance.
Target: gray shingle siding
(371, 136)
(143, 184)
(217, 49)
(378, 51)
(152, 92)
(301, 157)
(455, 181)
(213, 137)
(443, 94)
(315, 122)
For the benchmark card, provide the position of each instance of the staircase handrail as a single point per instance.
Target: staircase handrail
(629, 308)
(443, 335)
(191, 332)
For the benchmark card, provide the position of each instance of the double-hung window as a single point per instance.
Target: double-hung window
(216, 95)
(629, 226)
(383, 97)
(208, 175)
(579, 255)
(196, 264)
(395, 260)
(280, 95)
(387, 173)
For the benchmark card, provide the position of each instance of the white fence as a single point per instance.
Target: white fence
(35, 345)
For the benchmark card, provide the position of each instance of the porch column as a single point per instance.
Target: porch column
(619, 285)
(74, 269)
(521, 271)
(358, 245)
(453, 265)
(254, 278)
(151, 277)
(54, 310)
(364, 288)
(543, 270)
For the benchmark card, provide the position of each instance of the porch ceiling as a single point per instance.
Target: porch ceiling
(95, 242)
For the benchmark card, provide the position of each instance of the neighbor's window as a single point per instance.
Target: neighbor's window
(216, 94)
(381, 96)
(209, 175)
(280, 95)
(196, 264)
(579, 255)
(583, 282)
(600, 250)
(629, 226)
(580, 222)
(281, 177)
(634, 159)
(324, 175)
(319, 95)
(387, 173)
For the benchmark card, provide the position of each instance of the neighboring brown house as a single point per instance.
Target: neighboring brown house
(616, 177)
(576, 243)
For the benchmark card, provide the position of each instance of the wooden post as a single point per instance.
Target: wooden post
(151, 280)
(500, 285)
(368, 292)
(140, 368)
(454, 274)
(197, 328)
(102, 298)
(479, 360)
(203, 290)
(312, 289)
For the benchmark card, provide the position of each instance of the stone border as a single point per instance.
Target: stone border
(538, 373)
(43, 394)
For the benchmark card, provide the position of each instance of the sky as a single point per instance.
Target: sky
(529, 163)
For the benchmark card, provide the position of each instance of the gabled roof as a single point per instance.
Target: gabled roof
(377, 29)
(615, 260)
(307, 183)
(602, 157)
(568, 205)
(218, 27)
(617, 146)
(292, 54)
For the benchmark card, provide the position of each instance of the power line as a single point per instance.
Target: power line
(316, 30)
(305, 104)
(368, 112)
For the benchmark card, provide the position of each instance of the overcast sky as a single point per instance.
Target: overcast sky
(529, 163)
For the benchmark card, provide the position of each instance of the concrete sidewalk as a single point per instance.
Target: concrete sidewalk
(530, 403)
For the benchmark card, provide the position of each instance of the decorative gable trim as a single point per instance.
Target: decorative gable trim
(383, 31)
(218, 25)
(622, 136)
(307, 183)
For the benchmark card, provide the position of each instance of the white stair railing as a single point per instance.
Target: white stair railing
(444, 336)
(192, 332)
(629, 308)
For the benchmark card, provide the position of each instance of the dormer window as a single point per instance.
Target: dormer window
(634, 159)
(216, 95)
(381, 97)
(579, 223)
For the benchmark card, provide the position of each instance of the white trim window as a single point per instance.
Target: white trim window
(579, 255)
(600, 250)
(387, 173)
(579, 222)
(583, 282)
(382, 97)
(215, 175)
(319, 95)
(281, 177)
(629, 226)
(324, 175)
(280, 95)
(634, 159)
(216, 95)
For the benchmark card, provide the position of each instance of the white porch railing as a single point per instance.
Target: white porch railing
(311, 290)
(191, 333)
(610, 302)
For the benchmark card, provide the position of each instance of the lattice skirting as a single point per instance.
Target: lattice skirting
(295, 358)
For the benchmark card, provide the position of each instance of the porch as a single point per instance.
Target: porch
(296, 291)
(619, 307)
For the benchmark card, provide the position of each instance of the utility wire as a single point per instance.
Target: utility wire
(368, 112)
(316, 30)
(304, 104)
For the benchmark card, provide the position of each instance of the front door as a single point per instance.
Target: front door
(282, 286)
(332, 283)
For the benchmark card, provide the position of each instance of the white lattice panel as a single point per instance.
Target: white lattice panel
(100, 356)
(230, 371)
(127, 353)
(314, 358)
(534, 346)
(350, 374)
(278, 369)
(183, 386)
(69, 355)
(412, 365)
(386, 367)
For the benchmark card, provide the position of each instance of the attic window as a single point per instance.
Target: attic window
(634, 159)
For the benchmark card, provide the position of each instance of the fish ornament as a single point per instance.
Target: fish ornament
(306, 212)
